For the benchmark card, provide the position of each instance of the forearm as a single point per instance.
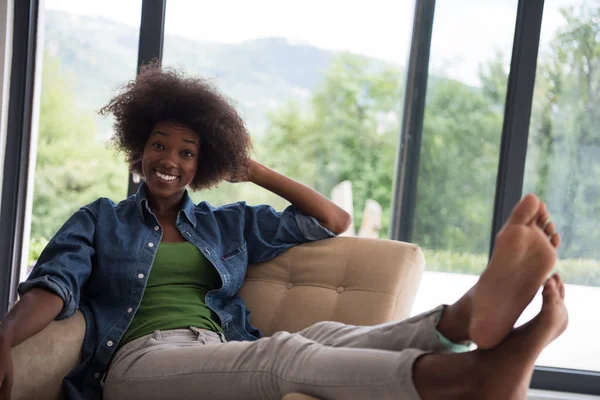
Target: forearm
(307, 200)
(34, 311)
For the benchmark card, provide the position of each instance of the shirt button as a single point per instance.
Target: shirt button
(150, 244)
(140, 276)
(97, 375)
(130, 310)
(156, 227)
(109, 343)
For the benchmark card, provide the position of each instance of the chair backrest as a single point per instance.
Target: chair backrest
(357, 281)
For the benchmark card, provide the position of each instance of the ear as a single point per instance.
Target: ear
(135, 164)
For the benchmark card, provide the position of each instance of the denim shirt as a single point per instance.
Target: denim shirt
(100, 259)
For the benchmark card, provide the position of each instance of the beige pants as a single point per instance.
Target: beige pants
(328, 360)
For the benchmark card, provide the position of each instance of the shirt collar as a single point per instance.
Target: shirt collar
(187, 205)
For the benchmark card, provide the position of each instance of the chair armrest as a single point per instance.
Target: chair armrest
(42, 361)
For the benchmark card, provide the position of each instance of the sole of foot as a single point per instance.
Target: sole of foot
(523, 256)
(506, 370)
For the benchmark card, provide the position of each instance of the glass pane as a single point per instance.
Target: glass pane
(461, 143)
(320, 86)
(90, 48)
(563, 167)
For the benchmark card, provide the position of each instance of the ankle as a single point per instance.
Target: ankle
(455, 319)
(448, 376)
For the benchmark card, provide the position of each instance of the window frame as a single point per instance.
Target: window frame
(18, 145)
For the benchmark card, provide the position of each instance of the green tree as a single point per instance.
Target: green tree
(73, 166)
(349, 132)
(564, 149)
(459, 158)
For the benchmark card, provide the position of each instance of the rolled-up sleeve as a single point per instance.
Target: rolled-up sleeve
(66, 262)
(269, 232)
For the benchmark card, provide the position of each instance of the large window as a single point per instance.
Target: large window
(320, 85)
(459, 156)
(88, 52)
(563, 166)
(462, 129)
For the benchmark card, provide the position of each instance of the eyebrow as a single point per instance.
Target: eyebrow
(161, 133)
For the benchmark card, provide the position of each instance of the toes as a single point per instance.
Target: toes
(526, 210)
(549, 228)
(555, 239)
(550, 284)
(543, 220)
(546, 225)
(542, 216)
(550, 288)
(561, 286)
(554, 286)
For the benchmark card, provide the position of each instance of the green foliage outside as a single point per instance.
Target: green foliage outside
(349, 131)
(73, 167)
(575, 271)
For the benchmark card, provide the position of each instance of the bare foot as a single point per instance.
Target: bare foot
(503, 372)
(524, 254)
(508, 368)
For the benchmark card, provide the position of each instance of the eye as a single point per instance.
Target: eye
(157, 145)
(187, 154)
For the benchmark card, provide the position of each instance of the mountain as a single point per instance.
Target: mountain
(259, 75)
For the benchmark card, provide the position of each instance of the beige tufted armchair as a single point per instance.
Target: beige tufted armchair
(352, 280)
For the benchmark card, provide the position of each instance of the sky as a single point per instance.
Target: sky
(466, 32)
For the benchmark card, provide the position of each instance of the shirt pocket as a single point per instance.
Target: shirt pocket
(236, 261)
(240, 251)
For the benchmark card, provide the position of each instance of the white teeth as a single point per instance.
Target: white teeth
(166, 177)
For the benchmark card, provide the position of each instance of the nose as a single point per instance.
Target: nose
(168, 161)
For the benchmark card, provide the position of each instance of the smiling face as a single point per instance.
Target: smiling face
(170, 159)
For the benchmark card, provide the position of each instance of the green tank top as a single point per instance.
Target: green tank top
(174, 296)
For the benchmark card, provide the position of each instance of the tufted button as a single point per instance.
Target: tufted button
(289, 285)
(340, 289)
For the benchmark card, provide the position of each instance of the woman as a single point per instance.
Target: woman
(157, 277)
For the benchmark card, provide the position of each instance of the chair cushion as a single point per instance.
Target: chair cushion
(357, 281)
